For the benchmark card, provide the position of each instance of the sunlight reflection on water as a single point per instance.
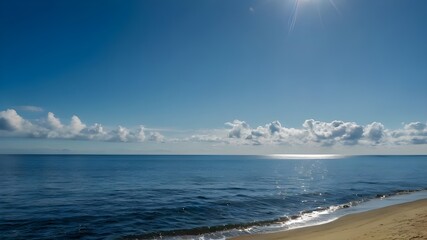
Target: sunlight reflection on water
(306, 156)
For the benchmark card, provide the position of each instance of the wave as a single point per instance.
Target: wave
(251, 227)
(304, 218)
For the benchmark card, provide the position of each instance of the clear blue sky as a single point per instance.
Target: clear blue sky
(197, 64)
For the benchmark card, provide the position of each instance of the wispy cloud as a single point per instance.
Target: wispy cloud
(30, 108)
(311, 133)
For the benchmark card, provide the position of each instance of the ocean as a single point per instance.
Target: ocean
(194, 197)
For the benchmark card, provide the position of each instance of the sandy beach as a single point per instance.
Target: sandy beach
(402, 221)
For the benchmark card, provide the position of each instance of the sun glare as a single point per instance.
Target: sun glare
(306, 1)
(297, 4)
(305, 156)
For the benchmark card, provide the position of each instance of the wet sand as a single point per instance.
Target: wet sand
(402, 221)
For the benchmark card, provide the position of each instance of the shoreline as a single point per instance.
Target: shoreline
(400, 221)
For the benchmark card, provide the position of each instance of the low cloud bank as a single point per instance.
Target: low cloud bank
(13, 125)
(312, 132)
(327, 133)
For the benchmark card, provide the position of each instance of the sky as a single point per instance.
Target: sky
(213, 77)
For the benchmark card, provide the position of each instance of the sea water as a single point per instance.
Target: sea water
(194, 197)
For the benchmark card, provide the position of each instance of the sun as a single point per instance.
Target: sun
(297, 4)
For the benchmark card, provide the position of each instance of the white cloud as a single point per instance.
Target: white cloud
(312, 133)
(76, 125)
(206, 138)
(318, 133)
(412, 133)
(347, 133)
(95, 132)
(53, 122)
(140, 134)
(156, 137)
(239, 129)
(121, 134)
(416, 126)
(374, 132)
(11, 121)
(275, 127)
(13, 125)
(271, 133)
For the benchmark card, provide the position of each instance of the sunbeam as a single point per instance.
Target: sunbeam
(335, 6)
(296, 6)
(293, 17)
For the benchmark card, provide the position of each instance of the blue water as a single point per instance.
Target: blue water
(145, 197)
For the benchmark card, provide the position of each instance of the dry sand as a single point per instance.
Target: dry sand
(402, 221)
